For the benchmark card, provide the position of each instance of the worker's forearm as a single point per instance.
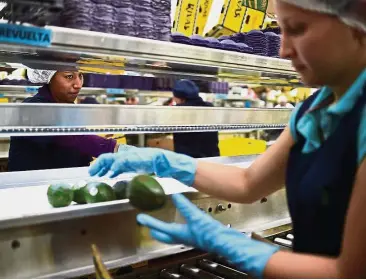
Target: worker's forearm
(226, 182)
(90, 145)
(296, 266)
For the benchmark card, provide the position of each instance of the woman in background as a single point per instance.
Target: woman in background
(49, 152)
(194, 144)
(283, 103)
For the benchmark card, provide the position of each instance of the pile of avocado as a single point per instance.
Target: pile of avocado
(143, 191)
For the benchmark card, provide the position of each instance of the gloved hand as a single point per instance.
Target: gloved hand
(203, 232)
(125, 147)
(147, 160)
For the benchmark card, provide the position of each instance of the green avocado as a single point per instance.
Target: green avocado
(98, 192)
(60, 195)
(78, 189)
(120, 189)
(145, 193)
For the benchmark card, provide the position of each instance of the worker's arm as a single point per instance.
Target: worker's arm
(352, 261)
(265, 176)
(262, 259)
(90, 145)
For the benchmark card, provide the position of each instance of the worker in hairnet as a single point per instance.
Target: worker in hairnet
(89, 100)
(49, 152)
(194, 144)
(319, 157)
(283, 103)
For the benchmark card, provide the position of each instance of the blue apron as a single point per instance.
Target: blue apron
(319, 184)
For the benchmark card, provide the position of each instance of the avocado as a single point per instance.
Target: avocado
(78, 189)
(120, 189)
(98, 192)
(60, 195)
(145, 193)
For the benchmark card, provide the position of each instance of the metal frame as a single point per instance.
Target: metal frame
(60, 119)
(72, 48)
(62, 248)
(42, 242)
(30, 91)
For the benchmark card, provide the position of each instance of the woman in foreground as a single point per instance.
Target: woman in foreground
(320, 158)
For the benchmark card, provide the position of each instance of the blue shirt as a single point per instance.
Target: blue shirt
(317, 125)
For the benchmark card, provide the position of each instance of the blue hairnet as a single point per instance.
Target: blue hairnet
(89, 100)
(186, 89)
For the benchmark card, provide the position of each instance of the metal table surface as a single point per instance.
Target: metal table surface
(38, 241)
(23, 195)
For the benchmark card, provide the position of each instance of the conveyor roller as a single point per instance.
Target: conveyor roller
(221, 270)
(290, 236)
(283, 242)
(197, 273)
(170, 274)
(201, 265)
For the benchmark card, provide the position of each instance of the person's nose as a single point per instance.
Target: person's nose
(78, 83)
(287, 50)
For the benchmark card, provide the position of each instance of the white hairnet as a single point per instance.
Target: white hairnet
(282, 99)
(351, 12)
(40, 76)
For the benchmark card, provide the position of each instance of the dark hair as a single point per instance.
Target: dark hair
(89, 100)
(186, 89)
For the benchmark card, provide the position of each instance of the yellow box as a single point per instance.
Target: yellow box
(253, 20)
(204, 8)
(234, 16)
(259, 5)
(185, 16)
(236, 146)
(218, 31)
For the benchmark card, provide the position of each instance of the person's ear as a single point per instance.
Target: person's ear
(360, 36)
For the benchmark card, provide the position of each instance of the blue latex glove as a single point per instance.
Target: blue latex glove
(203, 232)
(146, 160)
(123, 147)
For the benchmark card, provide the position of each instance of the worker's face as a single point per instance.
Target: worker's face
(178, 100)
(65, 86)
(132, 101)
(322, 48)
